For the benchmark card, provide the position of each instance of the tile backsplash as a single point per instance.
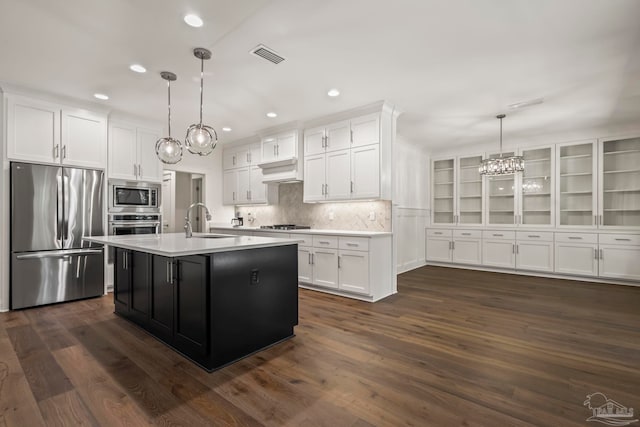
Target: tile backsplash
(335, 216)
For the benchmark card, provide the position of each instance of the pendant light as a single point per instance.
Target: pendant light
(168, 149)
(201, 139)
(496, 166)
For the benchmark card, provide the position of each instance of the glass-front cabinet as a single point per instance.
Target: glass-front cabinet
(536, 189)
(457, 191)
(619, 197)
(577, 184)
(527, 198)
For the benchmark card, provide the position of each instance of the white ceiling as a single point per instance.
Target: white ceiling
(450, 65)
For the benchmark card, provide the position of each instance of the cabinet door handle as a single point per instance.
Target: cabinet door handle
(339, 264)
(498, 235)
(233, 195)
(595, 253)
(351, 135)
(277, 149)
(600, 219)
(622, 240)
(248, 159)
(352, 186)
(274, 150)
(517, 249)
(309, 258)
(234, 160)
(124, 260)
(135, 170)
(352, 244)
(64, 151)
(313, 259)
(513, 248)
(601, 253)
(168, 275)
(575, 238)
(595, 220)
(248, 195)
(140, 170)
(466, 234)
(532, 235)
(323, 242)
(56, 151)
(326, 189)
(453, 245)
(171, 272)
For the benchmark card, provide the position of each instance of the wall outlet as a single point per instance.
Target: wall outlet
(331, 216)
(372, 216)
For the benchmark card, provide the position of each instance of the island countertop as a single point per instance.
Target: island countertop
(176, 244)
(324, 232)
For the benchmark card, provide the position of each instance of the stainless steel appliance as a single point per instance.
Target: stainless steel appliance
(127, 196)
(52, 208)
(133, 223)
(285, 227)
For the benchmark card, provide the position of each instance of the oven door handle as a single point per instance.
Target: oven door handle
(134, 224)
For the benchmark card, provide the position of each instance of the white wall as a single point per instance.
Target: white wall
(4, 212)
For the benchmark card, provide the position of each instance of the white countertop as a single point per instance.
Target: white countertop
(306, 231)
(176, 244)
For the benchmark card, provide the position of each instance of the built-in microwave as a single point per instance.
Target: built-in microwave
(126, 196)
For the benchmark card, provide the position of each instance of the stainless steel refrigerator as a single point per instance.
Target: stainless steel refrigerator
(52, 208)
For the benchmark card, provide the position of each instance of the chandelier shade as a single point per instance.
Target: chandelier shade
(201, 139)
(168, 149)
(496, 166)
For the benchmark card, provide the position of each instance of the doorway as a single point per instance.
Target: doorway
(179, 191)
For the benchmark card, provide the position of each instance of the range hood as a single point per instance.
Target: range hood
(282, 170)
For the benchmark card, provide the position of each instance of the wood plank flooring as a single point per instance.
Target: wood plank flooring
(452, 348)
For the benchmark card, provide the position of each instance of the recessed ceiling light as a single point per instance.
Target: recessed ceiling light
(101, 96)
(193, 20)
(271, 114)
(138, 68)
(226, 129)
(333, 92)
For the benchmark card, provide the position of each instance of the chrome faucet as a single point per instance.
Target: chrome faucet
(187, 224)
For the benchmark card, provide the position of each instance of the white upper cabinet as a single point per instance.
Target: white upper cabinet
(280, 147)
(619, 196)
(523, 199)
(132, 154)
(241, 156)
(44, 132)
(577, 184)
(457, 191)
(84, 138)
(229, 187)
(365, 130)
(352, 160)
(365, 172)
(243, 186)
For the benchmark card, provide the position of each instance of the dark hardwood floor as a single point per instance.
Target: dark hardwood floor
(453, 347)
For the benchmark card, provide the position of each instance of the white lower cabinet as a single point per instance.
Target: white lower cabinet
(305, 267)
(325, 267)
(499, 249)
(439, 245)
(353, 271)
(619, 256)
(466, 247)
(534, 251)
(576, 254)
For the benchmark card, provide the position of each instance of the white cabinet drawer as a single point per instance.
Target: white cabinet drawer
(467, 234)
(620, 239)
(576, 237)
(308, 239)
(542, 236)
(437, 232)
(273, 234)
(499, 235)
(325, 242)
(354, 243)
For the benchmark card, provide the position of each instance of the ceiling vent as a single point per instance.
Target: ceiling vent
(264, 52)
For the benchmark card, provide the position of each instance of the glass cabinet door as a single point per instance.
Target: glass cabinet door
(469, 191)
(443, 195)
(501, 202)
(577, 185)
(620, 183)
(536, 187)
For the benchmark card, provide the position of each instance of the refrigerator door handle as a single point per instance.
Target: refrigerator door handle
(59, 211)
(58, 254)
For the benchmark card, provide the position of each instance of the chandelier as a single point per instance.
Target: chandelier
(495, 166)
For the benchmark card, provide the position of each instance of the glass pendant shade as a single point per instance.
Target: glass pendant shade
(201, 139)
(168, 149)
(496, 166)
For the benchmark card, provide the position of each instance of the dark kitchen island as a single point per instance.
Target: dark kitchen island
(213, 298)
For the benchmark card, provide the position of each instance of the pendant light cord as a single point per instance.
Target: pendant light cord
(169, 104)
(500, 137)
(201, 85)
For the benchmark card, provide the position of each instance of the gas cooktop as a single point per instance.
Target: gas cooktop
(285, 227)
